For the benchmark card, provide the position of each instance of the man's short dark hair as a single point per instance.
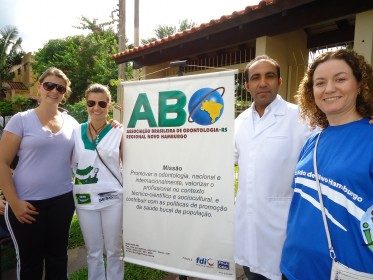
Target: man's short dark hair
(265, 58)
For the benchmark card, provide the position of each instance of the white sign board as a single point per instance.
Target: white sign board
(178, 174)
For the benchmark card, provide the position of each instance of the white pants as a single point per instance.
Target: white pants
(102, 228)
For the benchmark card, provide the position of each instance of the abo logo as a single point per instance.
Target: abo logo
(205, 107)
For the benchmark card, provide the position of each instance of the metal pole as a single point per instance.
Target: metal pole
(136, 24)
(118, 113)
(122, 37)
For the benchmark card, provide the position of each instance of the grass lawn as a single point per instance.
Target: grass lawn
(75, 236)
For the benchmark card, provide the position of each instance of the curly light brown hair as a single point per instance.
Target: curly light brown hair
(362, 72)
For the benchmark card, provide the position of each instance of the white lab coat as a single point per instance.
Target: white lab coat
(266, 159)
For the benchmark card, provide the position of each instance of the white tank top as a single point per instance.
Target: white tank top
(94, 185)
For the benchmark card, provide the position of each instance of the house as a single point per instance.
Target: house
(291, 31)
(23, 83)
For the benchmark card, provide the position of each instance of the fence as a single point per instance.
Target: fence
(226, 59)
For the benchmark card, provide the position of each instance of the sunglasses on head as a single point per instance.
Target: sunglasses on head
(91, 103)
(50, 86)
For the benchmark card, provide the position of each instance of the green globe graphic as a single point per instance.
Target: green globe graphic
(206, 106)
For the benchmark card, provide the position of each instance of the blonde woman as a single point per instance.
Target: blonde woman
(98, 186)
(39, 192)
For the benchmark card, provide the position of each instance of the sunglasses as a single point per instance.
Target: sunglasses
(50, 86)
(91, 103)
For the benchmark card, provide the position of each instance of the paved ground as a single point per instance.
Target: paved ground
(77, 260)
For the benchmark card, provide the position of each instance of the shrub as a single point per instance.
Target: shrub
(78, 111)
(6, 108)
(15, 105)
(21, 103)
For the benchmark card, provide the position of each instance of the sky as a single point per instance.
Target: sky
(41, 20)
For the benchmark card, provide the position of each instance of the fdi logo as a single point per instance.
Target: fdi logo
(205, 107)
(205, 262)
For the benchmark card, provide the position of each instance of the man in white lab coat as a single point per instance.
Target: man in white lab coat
(268, 138)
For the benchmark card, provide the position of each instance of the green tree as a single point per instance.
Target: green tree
(93, 25)
(10, 51)
(84, 59)
(186, 24)
(163, 31)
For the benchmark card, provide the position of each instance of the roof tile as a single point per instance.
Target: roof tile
(17, 85)
(194, 29)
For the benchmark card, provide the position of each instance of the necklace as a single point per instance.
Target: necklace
(98, 130)
(96, 138)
